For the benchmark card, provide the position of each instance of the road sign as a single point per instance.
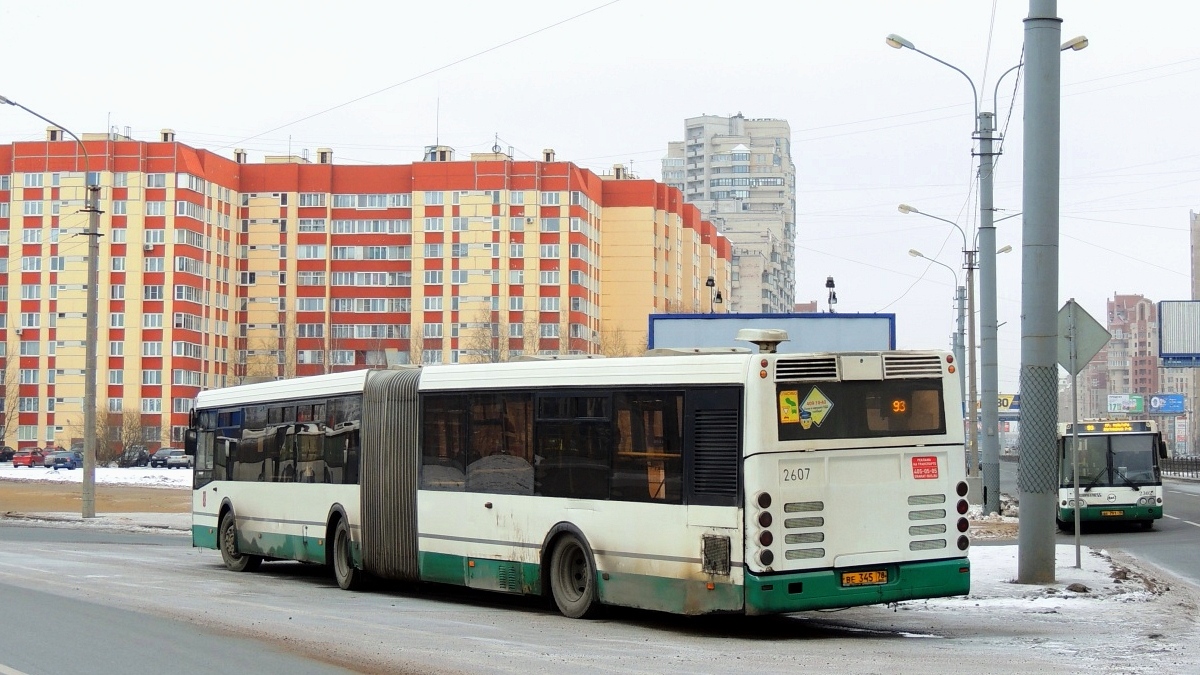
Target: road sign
(1090, 336)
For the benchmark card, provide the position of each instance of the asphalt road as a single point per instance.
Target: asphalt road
(1171, 545)
(88, 602)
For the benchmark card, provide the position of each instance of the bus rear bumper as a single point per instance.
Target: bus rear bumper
(1092, 514)
(803, 591)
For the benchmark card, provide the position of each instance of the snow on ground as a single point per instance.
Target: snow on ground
(134, 476)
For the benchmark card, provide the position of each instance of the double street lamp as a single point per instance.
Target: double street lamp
(969, 263)
(714, 296)
(983, 132)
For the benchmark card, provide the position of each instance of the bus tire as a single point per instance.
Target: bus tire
(349, 577)
(573, 578)
(235, 561)
(1064, 525)
(1147, 524)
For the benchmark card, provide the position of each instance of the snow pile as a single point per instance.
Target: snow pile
(134, 476)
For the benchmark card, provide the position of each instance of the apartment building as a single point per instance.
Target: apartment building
(218, 271)
(739, 173)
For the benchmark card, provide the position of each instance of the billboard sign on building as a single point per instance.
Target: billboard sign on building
(1127, 404)
(1179, 333)
(1181, 436)
(1166, 404)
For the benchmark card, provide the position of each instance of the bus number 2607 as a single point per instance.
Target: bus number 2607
(795, 473)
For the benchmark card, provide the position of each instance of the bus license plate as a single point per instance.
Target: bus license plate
(1112, 513)
(870, 578)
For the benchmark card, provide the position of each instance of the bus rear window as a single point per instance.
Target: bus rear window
(866, 409)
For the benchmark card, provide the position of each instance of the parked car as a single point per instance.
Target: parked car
(29, 458)
(177, 459)
(67, 460)
(160, 458)
(6, 454)
(48, 455)
(134, 456)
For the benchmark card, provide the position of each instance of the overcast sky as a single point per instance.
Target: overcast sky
(604, 82)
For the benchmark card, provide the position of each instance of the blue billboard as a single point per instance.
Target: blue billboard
(1165, 404)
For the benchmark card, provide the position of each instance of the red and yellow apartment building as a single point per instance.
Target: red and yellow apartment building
(216, 271)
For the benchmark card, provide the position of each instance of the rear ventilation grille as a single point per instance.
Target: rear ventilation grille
(911, 365)
(927, 545)
(925, 500)
(823, 368)
(804, 553)
(715, 554)
(716, 448)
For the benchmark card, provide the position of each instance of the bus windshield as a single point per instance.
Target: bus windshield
(1125, 459)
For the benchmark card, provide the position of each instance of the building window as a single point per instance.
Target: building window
(156, 180)
(434, 198)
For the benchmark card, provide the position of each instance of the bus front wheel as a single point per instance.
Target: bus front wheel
(573, 578)
(234, 560)
(348, 576)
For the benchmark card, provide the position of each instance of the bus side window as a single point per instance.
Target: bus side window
(443, 439)
(574, 447)
(647, 466)
(498, 460)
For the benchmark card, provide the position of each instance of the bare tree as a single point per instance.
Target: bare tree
(481, 340)
(130, 430)
(11, 380)
(257, 363)
(532, 334)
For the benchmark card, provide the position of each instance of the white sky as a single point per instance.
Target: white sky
(872, 126)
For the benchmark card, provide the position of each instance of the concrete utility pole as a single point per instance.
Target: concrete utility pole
(989, 406)
(1039, 294)
(92, 208)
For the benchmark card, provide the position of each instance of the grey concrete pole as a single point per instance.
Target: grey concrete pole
(90, 361)
(959, 342)
(990, 397)
(972, 379)
(92, 208)
(1039, 295)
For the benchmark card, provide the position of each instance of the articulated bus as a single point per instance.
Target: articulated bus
(715, 481)
(1119, 476)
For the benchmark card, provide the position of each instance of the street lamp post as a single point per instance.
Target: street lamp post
(92, 208)
(984, 133)
(969, 258)
(960, 310)
(712, 284)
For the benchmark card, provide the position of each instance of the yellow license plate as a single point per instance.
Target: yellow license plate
(1112, 513)
(870, 578)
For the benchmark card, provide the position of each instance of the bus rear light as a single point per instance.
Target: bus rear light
(963, 525)
(763, 363)
(766, 538)
(961, 488)
(764, 519)
(951, 369)
(764, 500)
(949, 358)
(762, 374)
(766, 557)
(962, 506)
(963, 542)
(1160, 500)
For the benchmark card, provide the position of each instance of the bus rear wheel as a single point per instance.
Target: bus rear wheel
(573, 578)
(348, 576)
(235, 561)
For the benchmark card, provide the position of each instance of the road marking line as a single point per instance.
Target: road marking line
(5, 670)
(1171, 517)
(1191, 523)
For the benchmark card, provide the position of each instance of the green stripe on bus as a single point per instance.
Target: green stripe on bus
(204, 536)
(803, 591)
(483, 573)
(1094, 513)
(665, 594)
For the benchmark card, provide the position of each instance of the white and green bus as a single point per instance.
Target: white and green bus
(1119, 475)
(715, 481)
